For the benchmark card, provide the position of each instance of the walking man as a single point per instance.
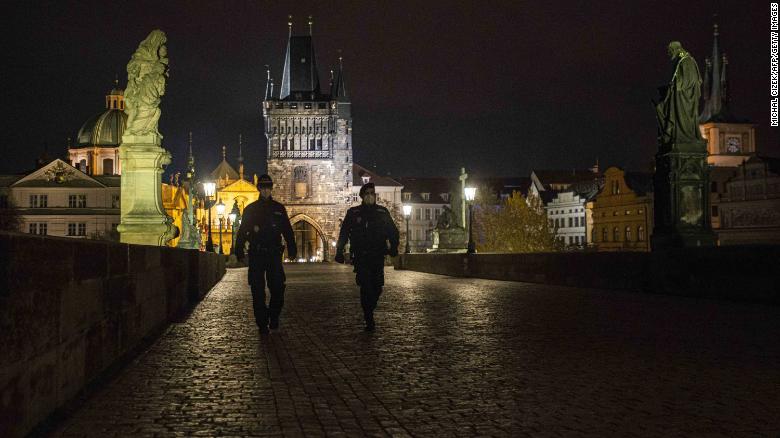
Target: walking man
(372, 234)
(265, 222)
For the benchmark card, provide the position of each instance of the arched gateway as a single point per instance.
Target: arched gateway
(311, 242)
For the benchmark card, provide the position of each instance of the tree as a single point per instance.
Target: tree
(10, 220)
(513, 224)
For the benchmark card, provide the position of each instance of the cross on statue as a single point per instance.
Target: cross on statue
(462, 178)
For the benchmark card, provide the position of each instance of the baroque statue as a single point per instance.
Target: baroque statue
(146, 75)
(446, 219)
(678, 113)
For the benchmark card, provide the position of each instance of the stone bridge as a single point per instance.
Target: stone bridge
(450, 357)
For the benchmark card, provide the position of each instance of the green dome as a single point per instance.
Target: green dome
(104, 129)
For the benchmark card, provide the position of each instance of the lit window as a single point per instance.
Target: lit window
(628, 234)
(615, 234)
(640, 234)
(445, 197)
(407, 196)
(425, 196)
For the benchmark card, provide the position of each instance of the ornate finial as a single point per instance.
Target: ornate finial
(116, 80)
(224, 150)
(289, 25)
(725, 60)
(190, 142)
(272, 86)
(240, 142)
(715, 25)
(267, 72)
(311, 23)
(70, 143)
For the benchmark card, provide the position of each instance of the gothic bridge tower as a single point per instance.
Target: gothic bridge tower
(309, 132)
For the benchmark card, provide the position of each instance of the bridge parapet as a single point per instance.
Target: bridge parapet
(70, 309)
(747, 273)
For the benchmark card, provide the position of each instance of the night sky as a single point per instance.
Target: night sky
(498, 87)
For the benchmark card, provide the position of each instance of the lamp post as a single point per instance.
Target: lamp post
(471, 193)
(407, 214)
(234, 216)
(220, 214)
(209, 188)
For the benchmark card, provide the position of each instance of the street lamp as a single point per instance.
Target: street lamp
(471, 193)
(407, 214)
(234, 215)
(209, 188)
(220, 214)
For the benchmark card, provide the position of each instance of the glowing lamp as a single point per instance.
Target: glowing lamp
(471, 193)
(407, 210)
(209, 188)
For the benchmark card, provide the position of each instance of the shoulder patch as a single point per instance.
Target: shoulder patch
(278, 213)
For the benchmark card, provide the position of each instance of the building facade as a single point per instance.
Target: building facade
(427, 197)
(623, 212)
(309, 132)
(59, 200)
(568, 215)
(749, 208)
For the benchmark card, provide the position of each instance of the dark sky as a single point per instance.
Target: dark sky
(498, 87)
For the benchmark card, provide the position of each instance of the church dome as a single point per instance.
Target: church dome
(106, 128)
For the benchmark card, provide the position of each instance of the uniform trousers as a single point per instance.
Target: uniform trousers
(266, 269)
(370, 276)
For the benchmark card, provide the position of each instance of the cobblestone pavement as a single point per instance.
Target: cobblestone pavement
(451, 357)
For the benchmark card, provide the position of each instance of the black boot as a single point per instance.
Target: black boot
(274, 324)
(370, 325)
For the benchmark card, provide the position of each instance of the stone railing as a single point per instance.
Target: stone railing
(746, 273)
(71, 309)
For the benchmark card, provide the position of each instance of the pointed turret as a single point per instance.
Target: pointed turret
(240, 158)
(268, 83)
(339, 88)
(715, 107)
(190, 161)
(300, 80)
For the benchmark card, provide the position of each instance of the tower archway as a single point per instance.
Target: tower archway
(309, 238)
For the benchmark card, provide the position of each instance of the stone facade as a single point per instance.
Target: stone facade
(623, 212)
(310, 149)
(749, 208)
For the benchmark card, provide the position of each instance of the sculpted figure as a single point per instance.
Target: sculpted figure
(678, 113)
(146, 75)
(446, 219)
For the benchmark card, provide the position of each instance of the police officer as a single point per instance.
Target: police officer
(263, 224)
(372, 233)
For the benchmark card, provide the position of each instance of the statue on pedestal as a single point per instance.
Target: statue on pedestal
(681, 188)
(143, 219)
(448, 236)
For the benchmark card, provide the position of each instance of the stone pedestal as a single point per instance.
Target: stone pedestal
(143, 218)
(681, 197)
(449, 240)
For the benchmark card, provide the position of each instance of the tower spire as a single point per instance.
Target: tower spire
(268, 90)
(240, 157)
(311, 24)
(190, 161)
(289, 26)
(713, 95)
(224, 153)
(339, 88)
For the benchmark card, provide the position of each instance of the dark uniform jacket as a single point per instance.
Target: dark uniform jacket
(263, 225)
(368, 228)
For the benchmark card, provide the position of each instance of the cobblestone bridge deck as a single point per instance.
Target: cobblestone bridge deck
(450, 357)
